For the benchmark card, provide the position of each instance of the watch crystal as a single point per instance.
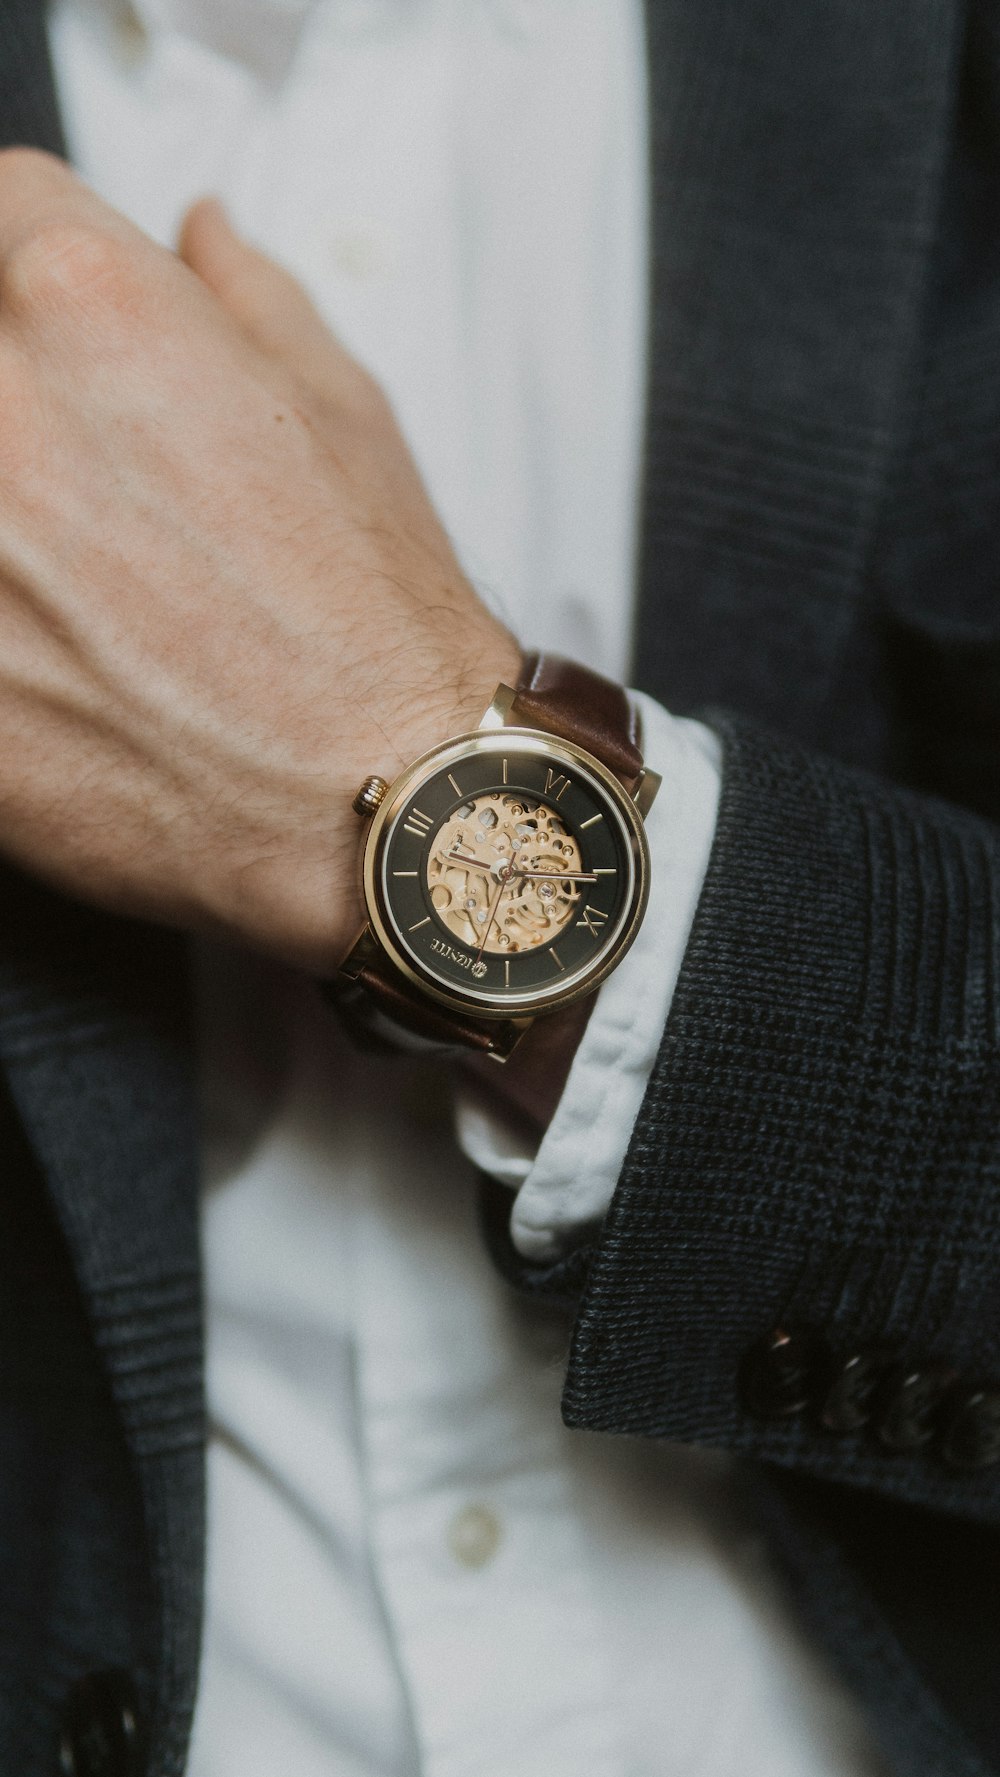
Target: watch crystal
(504, 872)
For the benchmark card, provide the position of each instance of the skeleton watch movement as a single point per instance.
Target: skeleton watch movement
(505, 873)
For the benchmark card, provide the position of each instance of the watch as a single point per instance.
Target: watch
(506, 872)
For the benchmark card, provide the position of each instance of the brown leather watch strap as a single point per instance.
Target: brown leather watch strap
(416, 1013)
(561, 697)
(382, 1010)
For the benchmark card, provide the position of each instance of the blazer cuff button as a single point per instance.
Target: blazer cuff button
(778, 1374)
(971, 1438)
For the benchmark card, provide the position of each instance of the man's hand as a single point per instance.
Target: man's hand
(224, 595)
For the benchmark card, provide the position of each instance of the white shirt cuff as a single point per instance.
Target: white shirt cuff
(567, 1184)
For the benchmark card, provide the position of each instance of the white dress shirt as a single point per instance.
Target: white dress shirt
(413, 1567)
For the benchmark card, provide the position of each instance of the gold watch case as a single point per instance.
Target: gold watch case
(488, 770)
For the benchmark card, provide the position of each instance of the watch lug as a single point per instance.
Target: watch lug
(644, 794)
(506, 1034)
(498, 713)
(365, 949)
(507, 1037)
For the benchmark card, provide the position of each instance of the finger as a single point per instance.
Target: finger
(268, 303)
(62, 246)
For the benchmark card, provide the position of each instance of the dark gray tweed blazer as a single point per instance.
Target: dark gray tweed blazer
(819, 1146)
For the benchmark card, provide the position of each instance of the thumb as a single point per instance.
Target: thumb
(268, 304)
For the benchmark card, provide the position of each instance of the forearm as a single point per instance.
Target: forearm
(224, 593)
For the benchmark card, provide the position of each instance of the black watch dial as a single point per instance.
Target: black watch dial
(509, 876)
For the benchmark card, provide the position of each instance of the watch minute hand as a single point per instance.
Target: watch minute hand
(559, 875)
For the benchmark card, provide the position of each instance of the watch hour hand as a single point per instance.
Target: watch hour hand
(498, 897)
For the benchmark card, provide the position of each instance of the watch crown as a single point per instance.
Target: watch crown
(370, 795)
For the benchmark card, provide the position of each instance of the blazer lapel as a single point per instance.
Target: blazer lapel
(797, 155)
(94, 1041)
(95, 1049)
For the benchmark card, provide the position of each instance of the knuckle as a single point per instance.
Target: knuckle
(59, 265)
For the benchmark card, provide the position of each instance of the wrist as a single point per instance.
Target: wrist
(300, 897)
(505, 871)
(454, 692)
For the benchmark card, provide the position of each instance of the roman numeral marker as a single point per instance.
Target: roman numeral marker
(506, 971)
(556, 784)
(504, 764)
(593, 919)
(420, 922)
(417, 823)
(608, 870)
(404, 873)
(555, 959)
(591, 822)
(456, 787)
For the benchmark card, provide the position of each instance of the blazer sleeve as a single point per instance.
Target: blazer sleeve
(801, 1257)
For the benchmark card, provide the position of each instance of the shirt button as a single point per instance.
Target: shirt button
(474, 1536)
(130, 33)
